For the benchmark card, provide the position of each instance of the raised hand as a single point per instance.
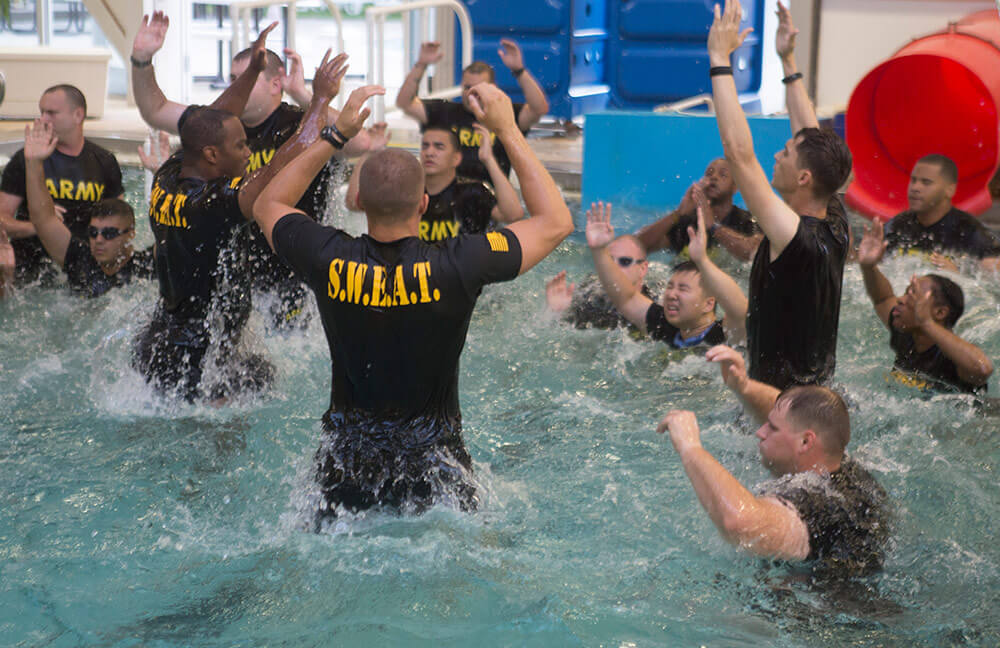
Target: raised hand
(698, 244)
(701, 202)
(329, 74)
(510, 54)
(731, 365)
(159, 150)
(725, 37)
(378, 136)
(872, 245)
(430, 53)
(922, 302)
(352, 117)
(600, 232)
(784, 41)
(485, 143)
(39, 140)
(943, 262)
(258, 50)
(559, 293)
(683, 428)
(491, 107)
(149, 38)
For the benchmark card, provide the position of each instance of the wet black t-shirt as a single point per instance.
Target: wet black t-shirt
(737, 219)
(794, 303)
(846, 513)
(957, 232)
(662, 330)
(74, 182)
(464, 206)
(927, 369)
(85, 276)
(591, 307)
(453, 115)
(194, 223)
(395, 316)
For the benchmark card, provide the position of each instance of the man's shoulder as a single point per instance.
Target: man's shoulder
(96, 149)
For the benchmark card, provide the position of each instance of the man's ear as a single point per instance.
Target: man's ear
(805, 177)
(809, 440)
(210, 153)
(424, 201)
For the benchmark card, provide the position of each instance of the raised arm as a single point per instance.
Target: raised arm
(407, 99)
(654, 236)
(155, 108)
(550, 220)
(764, 526)
(379, 136)
(536, 105)
(801, 113)
(717, 283)
(776, 218)
(287, 186)
(39, 143)
(757, 397)
(626, 297)
(234, 98)
(879, 289)
(508, 208)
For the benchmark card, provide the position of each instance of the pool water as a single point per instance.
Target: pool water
(129, 521)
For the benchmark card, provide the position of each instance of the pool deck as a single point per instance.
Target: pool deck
(121, 130)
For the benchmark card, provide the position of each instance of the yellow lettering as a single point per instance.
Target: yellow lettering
(85, 191)
(51, 186)
(254, 162)
(355, 279)
(333, 288)
(452, 228)
(424, 227)
(164, 214)
(267, 155)
(100, 190)
(421, 271)
(66, 189)
(378, 286)
(439, 230)
(399, 297)
(465, 137)
(178, 203)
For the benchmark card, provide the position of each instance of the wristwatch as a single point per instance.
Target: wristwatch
(329, 133)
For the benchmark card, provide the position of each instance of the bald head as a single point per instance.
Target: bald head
(391, 185)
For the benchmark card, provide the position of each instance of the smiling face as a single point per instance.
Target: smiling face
(929, 188)
(684, 301)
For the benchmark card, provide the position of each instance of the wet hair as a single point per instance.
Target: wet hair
(947, 166)
(994, 185)
(826, 156)
(685, 266)
(203, 127)
(274, 63)
(822, 410)
(391, 185)
(73, 95)
(452, 135)
(481, 67)
(111, 207)
(946, 292)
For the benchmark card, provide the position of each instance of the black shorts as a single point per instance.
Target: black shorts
(354, 474)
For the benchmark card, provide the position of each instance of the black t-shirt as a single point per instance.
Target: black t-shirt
(464, 206)
(453, 115)
(794, 303)
(85, 276)
(846, 513)
(194, 223)
(660, 329)
(395, 316)
(957, 232)
(74, 182)
(929, 369)
(591, 307)
(737, 219)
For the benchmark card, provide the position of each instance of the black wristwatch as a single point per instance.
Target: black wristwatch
(330, 133)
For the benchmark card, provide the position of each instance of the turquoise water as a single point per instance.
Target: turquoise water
(128, 521)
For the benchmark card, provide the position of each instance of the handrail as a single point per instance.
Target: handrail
(375, 22)
(687, 104)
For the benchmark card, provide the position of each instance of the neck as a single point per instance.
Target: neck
(928, 218)
(199, 169)
(921, 341)
(692, 329)
(255, 120)
(112, 267)
(71, 145)
(722, 207)
(804, 203)
(824, 465)
(438, 182)
(394, 230)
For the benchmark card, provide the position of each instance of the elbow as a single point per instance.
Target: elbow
(980, 374)
(739, 153)
(566, 224)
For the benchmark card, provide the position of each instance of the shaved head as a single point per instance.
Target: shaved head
(391, 185)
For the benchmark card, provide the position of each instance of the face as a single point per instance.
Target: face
(109, 250)
(780, 442)
(785, 178)
(232, 155)
(929, 189)
(622, 251)
(718, 183)
(684, 302)
(904, 318)
(438, 154)
(264, 97)
(58, 111)
(468, 81)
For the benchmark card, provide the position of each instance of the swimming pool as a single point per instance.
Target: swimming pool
(127, 521)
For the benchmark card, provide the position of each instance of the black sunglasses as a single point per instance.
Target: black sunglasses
(107, 232)
(625, 262)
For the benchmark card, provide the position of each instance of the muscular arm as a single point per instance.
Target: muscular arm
(729, 295)
(973, 366)
(628, 299)
(654, 236)
(8, 208)
(407, 99)
(508, 208)
(536, 104)
(53, 233)
(154, 107)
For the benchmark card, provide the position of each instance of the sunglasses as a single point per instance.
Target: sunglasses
(625, 261)
(107, 232)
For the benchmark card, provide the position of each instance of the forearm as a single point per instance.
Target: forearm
(741, 246)
(722, 496)
(758, 398)
(654, 236)
(876, 285)
(54, 235)
(508, 202)
(725, 290)
(17, 229)
(534, 97)
(972, 364)
(617, 286)
(288, 185)
(154, 107)
(234, 98)
(408, 91)
(541, 195)
(801, 113)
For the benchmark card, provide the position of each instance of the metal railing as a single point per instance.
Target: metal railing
(375, 22)
(240, 13)
(687, 104)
